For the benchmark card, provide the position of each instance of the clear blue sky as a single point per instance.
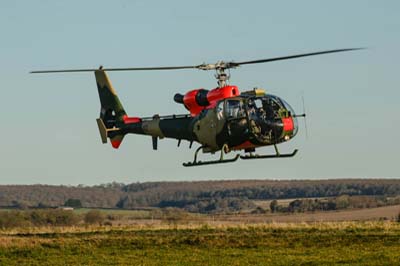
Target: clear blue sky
(48, 128)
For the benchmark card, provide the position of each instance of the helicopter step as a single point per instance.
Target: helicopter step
(269, 156)
(221, 159)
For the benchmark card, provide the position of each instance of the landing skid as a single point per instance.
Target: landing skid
(244, 157)
(278, 155)
(221, 159)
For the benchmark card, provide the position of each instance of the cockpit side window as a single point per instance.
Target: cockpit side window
(234, 109)
(255, 108)
(271, 107)
(258, 103)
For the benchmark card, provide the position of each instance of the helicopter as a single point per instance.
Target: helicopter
(222, 119)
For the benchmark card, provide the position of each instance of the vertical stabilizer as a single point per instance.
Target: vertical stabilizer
(112, 112)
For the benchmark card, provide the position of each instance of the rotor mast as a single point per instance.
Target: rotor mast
(222, 77)
(219, 67)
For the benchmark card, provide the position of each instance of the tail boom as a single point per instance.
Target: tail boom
(114, 123)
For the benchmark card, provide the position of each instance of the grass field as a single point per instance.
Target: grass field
(135, 217)
(346, 243)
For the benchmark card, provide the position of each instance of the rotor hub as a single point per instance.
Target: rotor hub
(222, 77)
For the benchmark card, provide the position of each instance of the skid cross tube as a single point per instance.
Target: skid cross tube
(221, 158)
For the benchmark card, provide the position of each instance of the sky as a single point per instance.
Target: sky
(48, 128)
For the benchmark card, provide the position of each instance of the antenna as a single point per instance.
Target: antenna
(304, 113)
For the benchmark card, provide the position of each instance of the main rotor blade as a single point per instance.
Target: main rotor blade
(218, 65)
(112, 69)
(292, 56)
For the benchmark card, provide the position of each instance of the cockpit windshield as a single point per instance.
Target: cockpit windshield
(268, 118)
(288, 107)
(276, 107)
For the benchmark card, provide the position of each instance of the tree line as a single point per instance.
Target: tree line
(197, 196)
(334, 203)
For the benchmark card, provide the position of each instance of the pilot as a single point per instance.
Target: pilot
(219, 110)
(261, 113)
(252, 108)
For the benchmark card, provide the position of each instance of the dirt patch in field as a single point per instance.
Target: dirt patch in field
(372, 214)
(381, 213)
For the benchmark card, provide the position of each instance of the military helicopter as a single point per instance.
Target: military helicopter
(221, 119)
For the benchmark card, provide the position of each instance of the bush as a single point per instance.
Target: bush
(53, 217)
(64, 217)
(10, 219)
(173, 215)
(22, 205)
(113, 217)
(273, 206)
(74, 203)
(343, 202)
(258, 210)
(94, 217)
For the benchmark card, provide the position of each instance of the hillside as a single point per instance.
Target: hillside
(196, 196)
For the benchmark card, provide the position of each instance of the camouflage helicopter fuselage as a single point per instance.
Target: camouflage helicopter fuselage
(242, 122)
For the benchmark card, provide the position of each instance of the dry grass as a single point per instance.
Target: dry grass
(347, 225)
(317, 243)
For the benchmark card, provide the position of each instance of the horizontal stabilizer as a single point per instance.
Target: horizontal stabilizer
(102, 129)
(116, 139)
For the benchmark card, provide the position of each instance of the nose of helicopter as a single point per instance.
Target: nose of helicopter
(274, 122)
(289, 122)
(290, 127)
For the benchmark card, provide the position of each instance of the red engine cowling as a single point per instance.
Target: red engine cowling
(197, 100)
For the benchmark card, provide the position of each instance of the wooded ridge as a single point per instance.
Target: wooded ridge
(195, 196)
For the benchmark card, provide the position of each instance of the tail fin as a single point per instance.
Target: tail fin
(112, 113)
